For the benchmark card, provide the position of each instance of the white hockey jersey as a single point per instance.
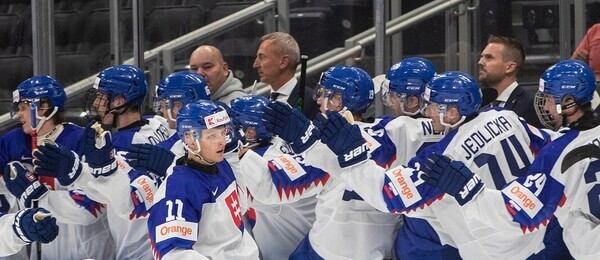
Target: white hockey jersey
(572, 160)
(128, 229)
(495, 144)
(10, 243)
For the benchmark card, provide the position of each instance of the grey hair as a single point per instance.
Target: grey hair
(285, 44)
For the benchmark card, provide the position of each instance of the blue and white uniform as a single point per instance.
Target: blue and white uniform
(531, 199)
(121, 190)
(197, 215)
(477, 143)
(83, 225)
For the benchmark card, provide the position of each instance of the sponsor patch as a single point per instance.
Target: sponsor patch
(372, 144)
(403, 186)
(216, 119)
(290, 166)
(523, 198)
(176, 229)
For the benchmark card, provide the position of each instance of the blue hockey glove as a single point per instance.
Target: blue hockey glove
(23, 183)
(452, 177)
(234, 141)
(343, 138)
(58, 162)
(150, 157)
(35, 225)
(291, 125)
(98, 151)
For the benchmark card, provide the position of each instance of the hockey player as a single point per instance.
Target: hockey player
(172, 93)
(281, 188)
(197, 214)
(39, 102)
(24, 227)
(568, 164)
(116, 100)
(452, 100)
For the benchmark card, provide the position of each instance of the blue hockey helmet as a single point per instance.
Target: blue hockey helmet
(404, 79)
(454, 88)
(125, 80)
(183, 86)
(39, 89)
(247, 111)
(569, 77)
(200, 115)
(566, 80)
(353, 84)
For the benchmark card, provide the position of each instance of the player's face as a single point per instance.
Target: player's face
(550, 106)
(213, 143)
(433, 111)
(268, 62)
(24, 114)
(250, 134)
(491, 64)
(170, 114)
(328, 100)
(206, 63)
(101, 105)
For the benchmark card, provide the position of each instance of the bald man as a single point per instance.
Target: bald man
(208, 61)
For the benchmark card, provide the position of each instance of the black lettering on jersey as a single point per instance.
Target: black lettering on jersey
(578, 154)
(427, 128)
(481, 137)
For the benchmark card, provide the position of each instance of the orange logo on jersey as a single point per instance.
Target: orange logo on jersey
(288, 165)
(405, 190)
(527, 202)
(181, 231)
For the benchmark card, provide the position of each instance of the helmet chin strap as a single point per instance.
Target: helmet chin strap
(43, 119)
(560, 109)
(450, 126)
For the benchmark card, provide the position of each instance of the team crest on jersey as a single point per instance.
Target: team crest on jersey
(233, 204)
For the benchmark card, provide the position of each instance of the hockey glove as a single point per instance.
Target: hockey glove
(234, 141)
(98, 150)
(149, 157)
(452, 177)
(35, 225)
(58, 162)
(343, 138)
(23, 183)
(291, 125)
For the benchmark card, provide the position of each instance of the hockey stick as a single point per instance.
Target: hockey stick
(578, 154)
(303, 61)
(33, 118)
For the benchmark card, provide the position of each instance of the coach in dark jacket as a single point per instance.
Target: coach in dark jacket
(276, 60)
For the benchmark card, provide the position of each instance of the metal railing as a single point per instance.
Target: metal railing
(163, 56)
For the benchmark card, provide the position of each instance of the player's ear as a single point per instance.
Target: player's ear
(119, 100)
(453, 113)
